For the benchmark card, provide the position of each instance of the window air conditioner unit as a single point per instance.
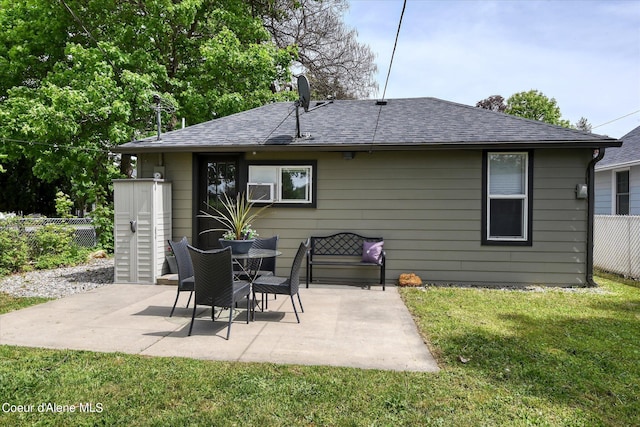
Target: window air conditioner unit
(258, 192)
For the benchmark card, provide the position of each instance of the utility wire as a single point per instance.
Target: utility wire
(279, 124)
(615, 120)
(395, 44)
(381, 102)
(54, 145)
(86, 30)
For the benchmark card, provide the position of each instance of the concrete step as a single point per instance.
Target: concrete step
(167, 279)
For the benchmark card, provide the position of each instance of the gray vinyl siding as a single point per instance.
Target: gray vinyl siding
(427, 206)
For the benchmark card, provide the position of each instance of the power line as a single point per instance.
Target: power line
(86, 30)
(54, 145)
(382, 102)
(395, 44)
(615, 120)
(279, 124)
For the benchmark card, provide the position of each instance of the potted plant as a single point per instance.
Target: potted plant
(236, 218)
(171, 261)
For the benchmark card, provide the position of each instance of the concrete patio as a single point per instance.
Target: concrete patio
(342, 326)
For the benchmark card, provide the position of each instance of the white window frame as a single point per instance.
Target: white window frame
(523, 196)
(273, 174)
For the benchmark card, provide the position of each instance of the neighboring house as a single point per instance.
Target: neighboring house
(618, 178)
(459, 194)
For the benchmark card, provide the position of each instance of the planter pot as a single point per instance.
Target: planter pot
(237, 246)
(173, 264)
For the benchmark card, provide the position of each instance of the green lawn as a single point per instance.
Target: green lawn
(507, 357)
(10, 303)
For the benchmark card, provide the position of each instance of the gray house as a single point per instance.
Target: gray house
(459, 194)
(618, 178)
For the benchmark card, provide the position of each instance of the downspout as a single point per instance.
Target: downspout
(591, 213)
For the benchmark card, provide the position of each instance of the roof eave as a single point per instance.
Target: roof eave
(619, 165)
(405, 146)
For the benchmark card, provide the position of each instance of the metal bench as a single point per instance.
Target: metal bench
(341, 249)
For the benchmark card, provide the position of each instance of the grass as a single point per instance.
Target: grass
(10, 303)
(508, 358)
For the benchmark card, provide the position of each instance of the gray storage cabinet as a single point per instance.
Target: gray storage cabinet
(142, 226)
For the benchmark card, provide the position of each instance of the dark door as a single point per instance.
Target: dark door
(217, 175)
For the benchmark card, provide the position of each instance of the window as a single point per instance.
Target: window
(507, 188)
(622, 193)
(292, 184)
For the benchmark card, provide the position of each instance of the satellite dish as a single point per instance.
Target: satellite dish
(304, 92)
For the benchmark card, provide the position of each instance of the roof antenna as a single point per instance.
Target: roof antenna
(160, 106)
(304, 94)
(157, 100)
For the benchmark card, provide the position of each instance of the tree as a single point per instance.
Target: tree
(583, 125)
(493, 103)
(77, 77)
(328, 52)
(535, 105)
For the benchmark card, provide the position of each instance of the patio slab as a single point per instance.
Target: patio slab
(341, 326)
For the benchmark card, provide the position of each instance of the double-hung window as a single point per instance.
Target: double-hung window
(291, 184)
(507, 188)
(622, 192)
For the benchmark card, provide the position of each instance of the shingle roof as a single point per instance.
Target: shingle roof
(363, 124)
(628, 154)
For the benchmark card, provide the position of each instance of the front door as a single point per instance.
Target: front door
(217, 175)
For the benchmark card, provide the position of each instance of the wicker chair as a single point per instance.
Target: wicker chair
(185, 270)
(214, 284)
(260, 266)
(265, 266)
(284, 285)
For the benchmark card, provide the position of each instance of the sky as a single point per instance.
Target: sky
(585, 54)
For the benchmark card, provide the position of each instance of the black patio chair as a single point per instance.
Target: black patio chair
(214, 284)
(258, 266)
(265, 266)
(284, 285)
(185, 270)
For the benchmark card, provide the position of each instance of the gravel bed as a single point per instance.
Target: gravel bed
(60, 282)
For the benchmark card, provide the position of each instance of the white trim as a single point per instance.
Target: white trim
(277, 177)
(628, 164)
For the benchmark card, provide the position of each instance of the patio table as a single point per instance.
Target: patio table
(241, 260)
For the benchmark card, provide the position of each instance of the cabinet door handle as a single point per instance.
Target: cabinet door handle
(134, 225)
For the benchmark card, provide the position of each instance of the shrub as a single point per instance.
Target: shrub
(52, 239)
(103, 222)
(25, 245)
(14, 250)
(53, 246)
(63, 205)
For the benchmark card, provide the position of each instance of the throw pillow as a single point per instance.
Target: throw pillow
(372, 251)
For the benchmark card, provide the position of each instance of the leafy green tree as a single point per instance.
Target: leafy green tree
(535, 105)
(78, 77)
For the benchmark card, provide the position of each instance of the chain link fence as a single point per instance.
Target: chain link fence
(84, 233)
(616, 244)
